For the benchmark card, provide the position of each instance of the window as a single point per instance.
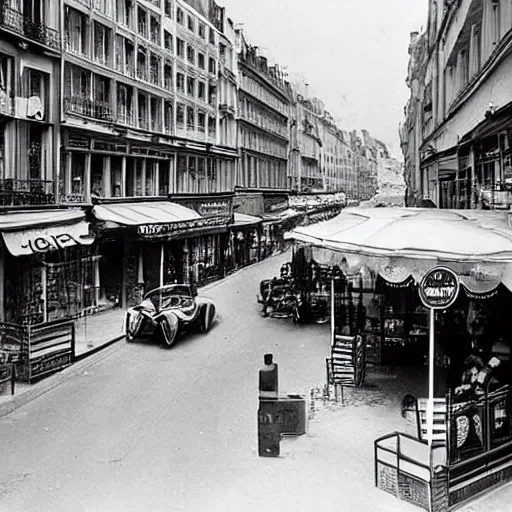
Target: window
(496, 22)
(155, 115)
(168, 8)
(142, 17)
(464, 71)
(142, 72)
(168, 41)
(202, 30)
(168, 76)
(211, 126)
(124, 56)
(36, 150)
(211, 65)
(180, 47)
(180, 16)
(154, 69)
(77, 82)
(180, 82)
(155, 30)
(190, 118)
(6, 82)
(190, 23)
(123, 12)
(201, 90)
(180, 115)
(36, 83)
(222, 52)
(124, 104)
(212, 94)
(201, 121)
(101, 43)
(190, 54)
(143, 111)
(75, 28)
(191, 86)
(200, 60)
(168, 128)
(211, 37)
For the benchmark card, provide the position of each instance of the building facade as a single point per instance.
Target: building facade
(465, 147)
(264, 99)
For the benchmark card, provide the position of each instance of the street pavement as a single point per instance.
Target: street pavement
(149, 429)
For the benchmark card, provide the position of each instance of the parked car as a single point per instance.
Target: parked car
(167, 311)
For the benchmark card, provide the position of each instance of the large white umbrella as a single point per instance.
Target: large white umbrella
(402, 242)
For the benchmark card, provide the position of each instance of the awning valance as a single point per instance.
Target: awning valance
(40, 231)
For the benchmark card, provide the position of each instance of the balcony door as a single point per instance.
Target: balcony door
(33, 10)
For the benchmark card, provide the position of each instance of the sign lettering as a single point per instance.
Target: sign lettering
(176, 227)
(439, 288)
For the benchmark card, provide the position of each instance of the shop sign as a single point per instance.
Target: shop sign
(40, 240)
(213, 209)
(172, 228)
(208, 207)
(439, 288)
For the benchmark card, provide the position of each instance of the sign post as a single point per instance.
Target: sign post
(439, 289)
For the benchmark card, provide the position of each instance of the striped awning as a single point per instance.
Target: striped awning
(141, 214)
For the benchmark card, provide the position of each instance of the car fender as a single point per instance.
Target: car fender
(206, 316)
(169, 323)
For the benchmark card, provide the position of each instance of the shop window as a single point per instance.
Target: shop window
(163, 178)
(97, 188)
(182, 164)
(77, 177)
(151, 174)
(192, 167)
(201, 168)
(211, 171)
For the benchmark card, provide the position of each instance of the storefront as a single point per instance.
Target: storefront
(49, 266)
(207, 248)
(441, 293)
(244, 241)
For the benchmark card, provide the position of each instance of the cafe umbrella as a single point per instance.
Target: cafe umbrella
(440, 249)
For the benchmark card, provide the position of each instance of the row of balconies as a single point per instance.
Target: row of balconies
(15, 192)
(15, 21)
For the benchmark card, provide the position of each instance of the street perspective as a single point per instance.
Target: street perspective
(255, 255)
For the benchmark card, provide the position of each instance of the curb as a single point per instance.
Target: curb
(46, 385)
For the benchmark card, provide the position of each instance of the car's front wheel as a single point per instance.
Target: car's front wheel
(131, 328)
(169, 327)
(206, 318)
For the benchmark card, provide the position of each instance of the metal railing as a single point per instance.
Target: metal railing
(87, 107)
(26, 192)
(16, 21)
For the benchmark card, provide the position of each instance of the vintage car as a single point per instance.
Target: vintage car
(277, 298)
(167, 311)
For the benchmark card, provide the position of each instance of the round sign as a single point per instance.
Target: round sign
(439, 288)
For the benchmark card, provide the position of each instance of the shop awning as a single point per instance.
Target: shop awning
(141, 214)
(242, 220)
(40, 231)
(282, 216)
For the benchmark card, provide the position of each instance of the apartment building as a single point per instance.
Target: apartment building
(305, 171)
(465, 146)
(264, 99)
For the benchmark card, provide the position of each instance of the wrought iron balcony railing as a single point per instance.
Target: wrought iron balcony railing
(26, 192)
(14, 20)
(86, 107)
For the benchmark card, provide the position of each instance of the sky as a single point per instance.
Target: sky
(353, 53)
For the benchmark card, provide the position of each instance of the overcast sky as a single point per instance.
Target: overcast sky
(352, 52)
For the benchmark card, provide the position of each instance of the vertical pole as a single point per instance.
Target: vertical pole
(332, 312)
(430, 404)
